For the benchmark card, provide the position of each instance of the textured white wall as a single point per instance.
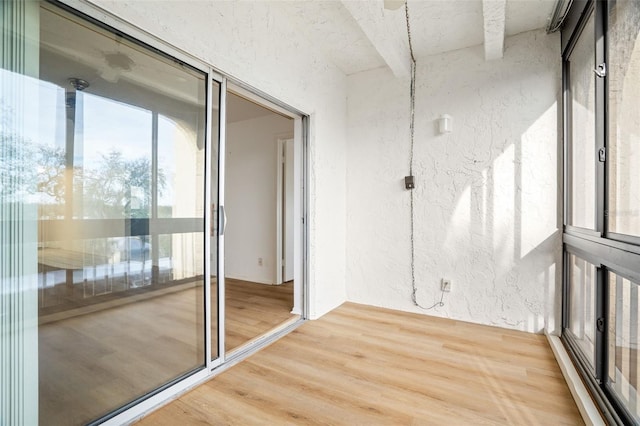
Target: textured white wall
(487, 199)
(254, 42)
(251, 176)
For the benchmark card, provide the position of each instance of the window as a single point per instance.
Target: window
(624, 337)
(583, 281)
(600, 321)
(583, 138)
(624, 120)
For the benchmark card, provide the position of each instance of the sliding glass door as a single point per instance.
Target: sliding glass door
(112, 219)
(120, 156)
(105, 205)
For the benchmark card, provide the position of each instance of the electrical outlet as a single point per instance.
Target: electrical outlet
(445, 285)
(259, 261)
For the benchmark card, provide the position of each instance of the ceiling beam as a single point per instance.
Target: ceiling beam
(387, 32)
(494, 14)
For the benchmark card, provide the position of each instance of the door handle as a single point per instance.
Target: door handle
(223, 220)
(214, 220)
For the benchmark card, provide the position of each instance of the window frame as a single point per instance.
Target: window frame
(608, 251)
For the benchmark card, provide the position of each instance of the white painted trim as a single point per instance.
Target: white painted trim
(288, 201)
(281, 161)
(160, 399)
(586, 406)
(300, 238)
(222, 149)
(207, 227)
(279, 211)
(264, 339)
(257, 99)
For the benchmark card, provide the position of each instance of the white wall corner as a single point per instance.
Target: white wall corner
(386, 30)
(494, 16)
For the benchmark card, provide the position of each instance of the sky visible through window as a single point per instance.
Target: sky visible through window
(103, 126)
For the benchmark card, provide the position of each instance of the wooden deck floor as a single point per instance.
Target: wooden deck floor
(364, 365)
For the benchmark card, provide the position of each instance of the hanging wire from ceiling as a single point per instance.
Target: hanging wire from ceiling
(412, 101)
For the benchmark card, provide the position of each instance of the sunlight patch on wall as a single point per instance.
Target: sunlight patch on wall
(503, 207)
(460, 224)
(539, 188)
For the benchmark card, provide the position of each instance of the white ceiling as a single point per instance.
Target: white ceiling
(329, 26)
(357, 35)
(240, 109)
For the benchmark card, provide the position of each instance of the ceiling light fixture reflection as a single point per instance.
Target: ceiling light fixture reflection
(78, 83)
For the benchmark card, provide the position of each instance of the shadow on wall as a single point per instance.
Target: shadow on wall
(497, 180)
(487, 198)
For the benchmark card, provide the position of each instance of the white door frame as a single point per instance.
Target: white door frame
(283, 161)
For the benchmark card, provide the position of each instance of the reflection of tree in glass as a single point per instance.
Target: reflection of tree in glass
(119, 187)
(51, 182)
(51, 171)
(17, 171)
(116, 188)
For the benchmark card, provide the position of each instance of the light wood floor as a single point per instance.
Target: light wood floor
(95, 362)
(362, 365)
(254, 309)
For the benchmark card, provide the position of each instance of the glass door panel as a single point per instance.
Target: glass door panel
(257, 297)
(119, 161)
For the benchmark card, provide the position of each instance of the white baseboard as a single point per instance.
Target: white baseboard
(586, 406)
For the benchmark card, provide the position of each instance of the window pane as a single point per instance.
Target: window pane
(583, 279)
(119, 155)
(624, 357)
(583, 142)
(624, 120)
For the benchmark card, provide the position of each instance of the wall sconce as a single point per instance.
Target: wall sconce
(445, 123)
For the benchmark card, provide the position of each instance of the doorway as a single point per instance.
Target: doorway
(260, 195)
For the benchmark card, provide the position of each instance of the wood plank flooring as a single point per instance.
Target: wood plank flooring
(364, 365)
(254, 309)
(98, 360)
